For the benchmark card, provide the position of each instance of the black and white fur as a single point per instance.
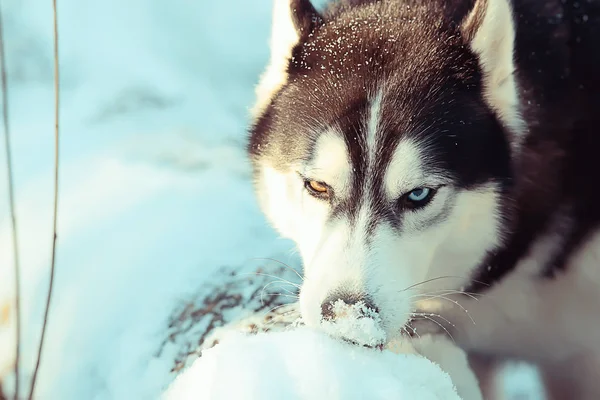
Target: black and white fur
(493, 105)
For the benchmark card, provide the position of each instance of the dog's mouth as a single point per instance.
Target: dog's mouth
(379, 346)
(363, 333)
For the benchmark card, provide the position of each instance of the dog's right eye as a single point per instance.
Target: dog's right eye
(317, 189)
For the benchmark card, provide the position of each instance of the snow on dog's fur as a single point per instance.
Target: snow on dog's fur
(417, 151)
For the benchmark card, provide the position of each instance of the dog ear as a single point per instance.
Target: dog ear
(490, 29)
(304, 15)
(291, 21)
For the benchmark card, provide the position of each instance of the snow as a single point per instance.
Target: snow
(304, 364)
(356, 323)
(155, 191)
(154, 194)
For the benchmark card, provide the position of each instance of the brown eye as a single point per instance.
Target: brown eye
(317, 186)
(317, 189)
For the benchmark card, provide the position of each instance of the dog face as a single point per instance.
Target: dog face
(382, 146)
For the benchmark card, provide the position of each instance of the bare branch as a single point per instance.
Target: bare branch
(11, 202)
(56, 148)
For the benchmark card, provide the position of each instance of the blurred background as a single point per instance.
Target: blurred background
(157, 217)
(155, 193)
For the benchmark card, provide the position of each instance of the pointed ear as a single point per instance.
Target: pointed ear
(292, 20)
(490, 30)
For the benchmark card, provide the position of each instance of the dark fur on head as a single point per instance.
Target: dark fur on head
(420, 52)
(432, 82)
(492, 103)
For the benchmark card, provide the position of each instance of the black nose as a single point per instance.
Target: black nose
(350, 299)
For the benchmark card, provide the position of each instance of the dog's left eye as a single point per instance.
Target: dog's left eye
(419, 194)
(418, 197)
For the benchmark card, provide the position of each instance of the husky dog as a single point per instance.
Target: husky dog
(438, 162)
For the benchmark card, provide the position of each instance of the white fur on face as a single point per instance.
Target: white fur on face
(472, 229)
(448, 237)
(374, 125)
(406, 172)
(287, 205)
(494, 43)
(331, 163)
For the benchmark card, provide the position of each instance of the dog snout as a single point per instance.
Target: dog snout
(335, 306)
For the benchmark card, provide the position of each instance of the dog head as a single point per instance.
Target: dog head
(382, 143)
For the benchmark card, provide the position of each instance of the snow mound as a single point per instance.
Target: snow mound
(357, 323)
(306, 364)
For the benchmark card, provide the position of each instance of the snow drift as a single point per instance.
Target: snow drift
(305, 364)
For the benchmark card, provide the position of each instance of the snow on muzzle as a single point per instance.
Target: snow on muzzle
(353, 318)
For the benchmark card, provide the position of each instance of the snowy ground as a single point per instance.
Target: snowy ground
(303, 364)
(155, 199)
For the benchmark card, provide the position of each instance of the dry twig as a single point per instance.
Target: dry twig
(56, 147)
(11, 202)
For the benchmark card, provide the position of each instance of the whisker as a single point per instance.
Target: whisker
(293, 251)
(272, 283)
(480, 282)
(282, 281)
(440, 325)
(455, 302)
(434, 315)
(405, 330)
(290, 292)
(280, 262)
(431, 280)
(275, 308)
(272, 320)
(282, 295)
(447, 292)
(470, 295)
(271, 276)
(444, 277)
(414, 332)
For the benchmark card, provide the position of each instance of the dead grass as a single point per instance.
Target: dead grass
(227, 297)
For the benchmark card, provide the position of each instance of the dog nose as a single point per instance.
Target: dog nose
(336, 306)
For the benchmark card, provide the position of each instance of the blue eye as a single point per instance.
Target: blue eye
(419, 195)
